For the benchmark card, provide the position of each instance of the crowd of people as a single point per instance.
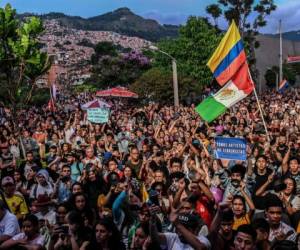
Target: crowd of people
(149, 177)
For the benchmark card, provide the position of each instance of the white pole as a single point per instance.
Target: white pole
(259, 107)
(280, 54)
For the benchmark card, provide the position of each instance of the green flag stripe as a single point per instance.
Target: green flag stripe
(209, 109)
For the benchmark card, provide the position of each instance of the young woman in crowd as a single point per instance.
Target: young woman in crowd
(154, 160)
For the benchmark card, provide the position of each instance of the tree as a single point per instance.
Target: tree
(157, 85)
(288, 71)
(122, 69)
(21, 61)
(192, 49)
(103, 49)
(215, 11)
(249, 15)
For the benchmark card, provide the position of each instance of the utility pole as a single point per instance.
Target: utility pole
(175, 83)
(280, 55)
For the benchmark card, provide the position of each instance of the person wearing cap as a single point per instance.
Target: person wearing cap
(278, 229)
(9, 225)
(186, 236)
(15, 200)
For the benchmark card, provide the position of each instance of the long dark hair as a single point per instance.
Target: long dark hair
(115, 240)
(87, 211)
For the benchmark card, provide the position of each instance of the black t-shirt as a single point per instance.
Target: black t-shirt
(259, 201)
(134, 166)
(261, 179)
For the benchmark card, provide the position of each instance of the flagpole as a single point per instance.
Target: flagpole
(280, 55)
(51, 97)
(259, 107)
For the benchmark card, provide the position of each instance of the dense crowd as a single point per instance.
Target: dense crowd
(149, 178)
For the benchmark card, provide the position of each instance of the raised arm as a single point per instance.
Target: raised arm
(189, 237)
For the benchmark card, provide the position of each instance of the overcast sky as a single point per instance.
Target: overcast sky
(164, 11)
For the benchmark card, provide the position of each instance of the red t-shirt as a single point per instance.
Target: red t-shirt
(203, 208)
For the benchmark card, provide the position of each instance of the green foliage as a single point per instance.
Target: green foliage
(156, 85)
(215, 11)
(249, 15)
(40, 97)
(21, 61)
(271, 76)
(289, 73)
(84, 88)
(192, 50)
(111, 68)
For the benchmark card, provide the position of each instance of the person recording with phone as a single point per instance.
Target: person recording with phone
(64, 184)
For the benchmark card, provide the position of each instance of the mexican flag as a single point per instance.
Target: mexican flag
(235, 90)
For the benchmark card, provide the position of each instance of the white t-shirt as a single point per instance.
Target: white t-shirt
(38, 189)
(174, 243)
(9, 225)
(50, 216)
(39, 240)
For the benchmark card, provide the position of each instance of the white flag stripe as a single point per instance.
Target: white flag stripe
(229, 95)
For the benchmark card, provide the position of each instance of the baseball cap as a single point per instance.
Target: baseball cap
(189, 220)
(7, 180)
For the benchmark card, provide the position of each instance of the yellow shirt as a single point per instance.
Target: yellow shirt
(240, 221)
(17, 205)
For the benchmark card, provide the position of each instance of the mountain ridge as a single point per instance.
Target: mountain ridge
(121, 20)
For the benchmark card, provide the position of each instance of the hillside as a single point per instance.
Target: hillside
(122, 21)
(291, 35)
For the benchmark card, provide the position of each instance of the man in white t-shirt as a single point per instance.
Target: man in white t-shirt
(9, 225)
(186, 236)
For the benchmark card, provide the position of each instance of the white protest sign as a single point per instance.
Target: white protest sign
(98, 115)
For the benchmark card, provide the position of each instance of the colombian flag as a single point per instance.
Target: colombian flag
(228, 57)
(283, 86)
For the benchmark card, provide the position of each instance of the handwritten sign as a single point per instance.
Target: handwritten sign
(98, 115)
(231, 148)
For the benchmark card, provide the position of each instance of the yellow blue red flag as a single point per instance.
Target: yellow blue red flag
(228, 57)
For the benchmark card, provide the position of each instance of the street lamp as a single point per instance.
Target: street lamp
(174, 69)
(277, 76)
